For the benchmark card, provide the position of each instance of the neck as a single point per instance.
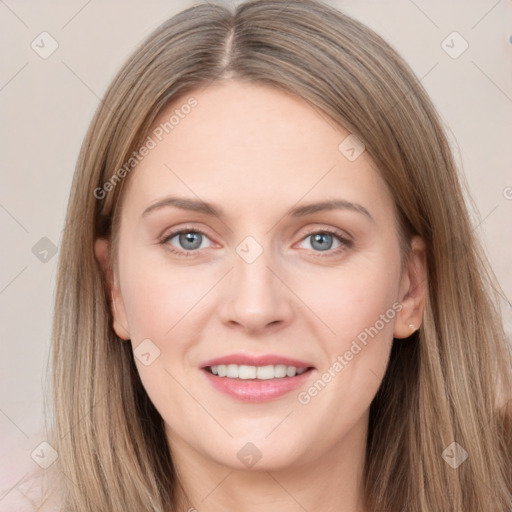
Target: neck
(331, 482)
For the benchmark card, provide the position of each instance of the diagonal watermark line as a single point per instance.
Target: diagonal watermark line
(98, 97)
(312, 187)
(199, 403)
(281, 10)
(116, 385)
(14, 423)
(406, 505)
(216, 487)
(484, 16)
(115, 114)
(474, 228)
(13, 279)
(198, 301)
(89, 499)
(14, 76)
(13, 13)
(492, 493)
(76, 14)
(424, 13)
(15, 485)
(492, 81)
(13, 217)
(287, 492)
(485, 218)
(418, 82)
(300, 300)
(31, 500)
(376, 376)
(280, 423)
(481, 428)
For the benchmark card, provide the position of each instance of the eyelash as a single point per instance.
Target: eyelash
(345, 243)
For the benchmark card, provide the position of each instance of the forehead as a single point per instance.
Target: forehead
(251, 146)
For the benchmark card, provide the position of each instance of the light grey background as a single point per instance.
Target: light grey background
(47, 104)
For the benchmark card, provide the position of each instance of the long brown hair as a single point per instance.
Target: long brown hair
(450, 382)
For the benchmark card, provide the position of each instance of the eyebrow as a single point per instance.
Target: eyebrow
(298, 211)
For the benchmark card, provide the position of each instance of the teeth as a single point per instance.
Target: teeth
(232, 371)
(244, 372)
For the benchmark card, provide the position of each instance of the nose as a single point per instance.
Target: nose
(256, 298)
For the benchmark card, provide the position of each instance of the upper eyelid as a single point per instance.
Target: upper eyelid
(305, 232)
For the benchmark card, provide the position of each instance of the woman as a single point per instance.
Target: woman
(269, 292)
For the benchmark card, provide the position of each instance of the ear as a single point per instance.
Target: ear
(412, 290)
(102, 252)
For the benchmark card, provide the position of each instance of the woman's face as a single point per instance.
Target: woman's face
(260, 283)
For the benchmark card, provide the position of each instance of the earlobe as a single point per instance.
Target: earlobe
(102, 253)
(119, 327)
(412, 291)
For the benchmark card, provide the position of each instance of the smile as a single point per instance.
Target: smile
(245, 372)
(256, 378)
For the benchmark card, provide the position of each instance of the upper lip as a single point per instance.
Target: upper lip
(256, 360)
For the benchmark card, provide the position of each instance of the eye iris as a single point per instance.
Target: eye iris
(320, 237)
(190, 237)
(321, 241)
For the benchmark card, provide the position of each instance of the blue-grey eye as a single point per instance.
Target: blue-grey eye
(187, 240)
(322, 241)
(190, 240)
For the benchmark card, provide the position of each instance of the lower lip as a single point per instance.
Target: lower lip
(252, 390)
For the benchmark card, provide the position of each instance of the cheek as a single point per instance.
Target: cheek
(361, 311)
(158, 298)
(359, 304)
(352, 298)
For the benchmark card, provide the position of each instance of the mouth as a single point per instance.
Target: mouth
(256, 378)
(247, 372)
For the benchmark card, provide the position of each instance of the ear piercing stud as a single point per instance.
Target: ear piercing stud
(412, 327)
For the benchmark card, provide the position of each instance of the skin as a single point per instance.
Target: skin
(256, 152)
